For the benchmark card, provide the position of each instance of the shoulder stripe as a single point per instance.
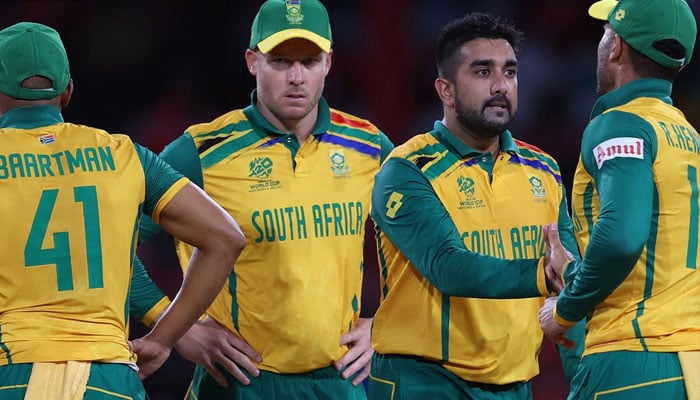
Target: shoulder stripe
(242, 126)
(434, 159)
(372, 151)
(341, 118)
(537, 164)
(228, 148)
(528, 146)
(538, 158)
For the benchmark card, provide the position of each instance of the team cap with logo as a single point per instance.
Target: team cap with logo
(281, 20)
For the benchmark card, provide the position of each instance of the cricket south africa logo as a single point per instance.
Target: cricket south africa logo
(294, 15)
(467, 187)
(536, 187)
(338, 166)
(261, 169)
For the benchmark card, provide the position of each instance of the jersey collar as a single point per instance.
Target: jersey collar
(323, 122)
(31, 117)
(656, 88)
(445, 136)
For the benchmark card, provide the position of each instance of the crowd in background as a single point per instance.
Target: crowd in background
(149, 69)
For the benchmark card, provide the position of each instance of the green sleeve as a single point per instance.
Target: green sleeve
(424, 232)
(570, 358)
(622, 228)
(159, 177)
(181, 154)
(143, 293)
(566, 227)
(386, 146)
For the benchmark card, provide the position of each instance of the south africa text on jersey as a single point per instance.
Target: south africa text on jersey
(320, 220)
(34, 165)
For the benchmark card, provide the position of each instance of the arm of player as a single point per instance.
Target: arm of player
(407, 210)
(193, 217)
(620, 221)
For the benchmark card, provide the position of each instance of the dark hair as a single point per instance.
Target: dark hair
(645, 67)
(471, 26)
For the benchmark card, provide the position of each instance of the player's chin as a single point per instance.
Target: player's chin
(295, 112)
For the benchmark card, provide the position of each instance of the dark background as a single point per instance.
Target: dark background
(150, 69)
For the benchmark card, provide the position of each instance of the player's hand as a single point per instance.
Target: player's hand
(555, 332)
(556, 256)
(357, 359)
(209, 344)
(151, 355)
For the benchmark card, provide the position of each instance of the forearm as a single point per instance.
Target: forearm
(409, 213)
(205, 276)
(459, 272)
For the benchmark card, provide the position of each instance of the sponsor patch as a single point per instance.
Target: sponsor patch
(627, 147)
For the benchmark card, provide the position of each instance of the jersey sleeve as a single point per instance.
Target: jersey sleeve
(566, 227)
(181, 154)
(408, 211)
(386, 146)
(146, 300)
(570, 358)
(625, 187)
(162, 182)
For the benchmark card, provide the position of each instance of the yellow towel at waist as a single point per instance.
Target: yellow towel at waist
(690, 364)
(58, 381)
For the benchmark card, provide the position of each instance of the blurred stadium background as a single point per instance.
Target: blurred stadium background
(152, 68)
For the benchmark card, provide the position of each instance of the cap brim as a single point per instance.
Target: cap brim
(601, 9)
(272, 41)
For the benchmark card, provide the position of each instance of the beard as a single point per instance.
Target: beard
(476, 122)
(605, 81)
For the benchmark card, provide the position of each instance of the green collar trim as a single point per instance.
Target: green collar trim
(445, 136)
(656, 88)
(31, 117)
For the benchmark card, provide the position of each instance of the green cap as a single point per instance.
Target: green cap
(281, 20)
(641, 23)
(29, 49)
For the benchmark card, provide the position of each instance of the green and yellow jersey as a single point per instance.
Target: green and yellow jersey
(72, 197)
(460, 235)
(296, 288)
(635, 208)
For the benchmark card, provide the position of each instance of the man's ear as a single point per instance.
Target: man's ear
(445, 91)
(250, 58)
(66, 95)
(616, 49)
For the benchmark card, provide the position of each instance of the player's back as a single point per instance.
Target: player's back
(656, 307)
(70, 200)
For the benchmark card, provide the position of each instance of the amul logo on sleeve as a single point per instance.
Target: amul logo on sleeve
(625, 147)
(467, 186)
